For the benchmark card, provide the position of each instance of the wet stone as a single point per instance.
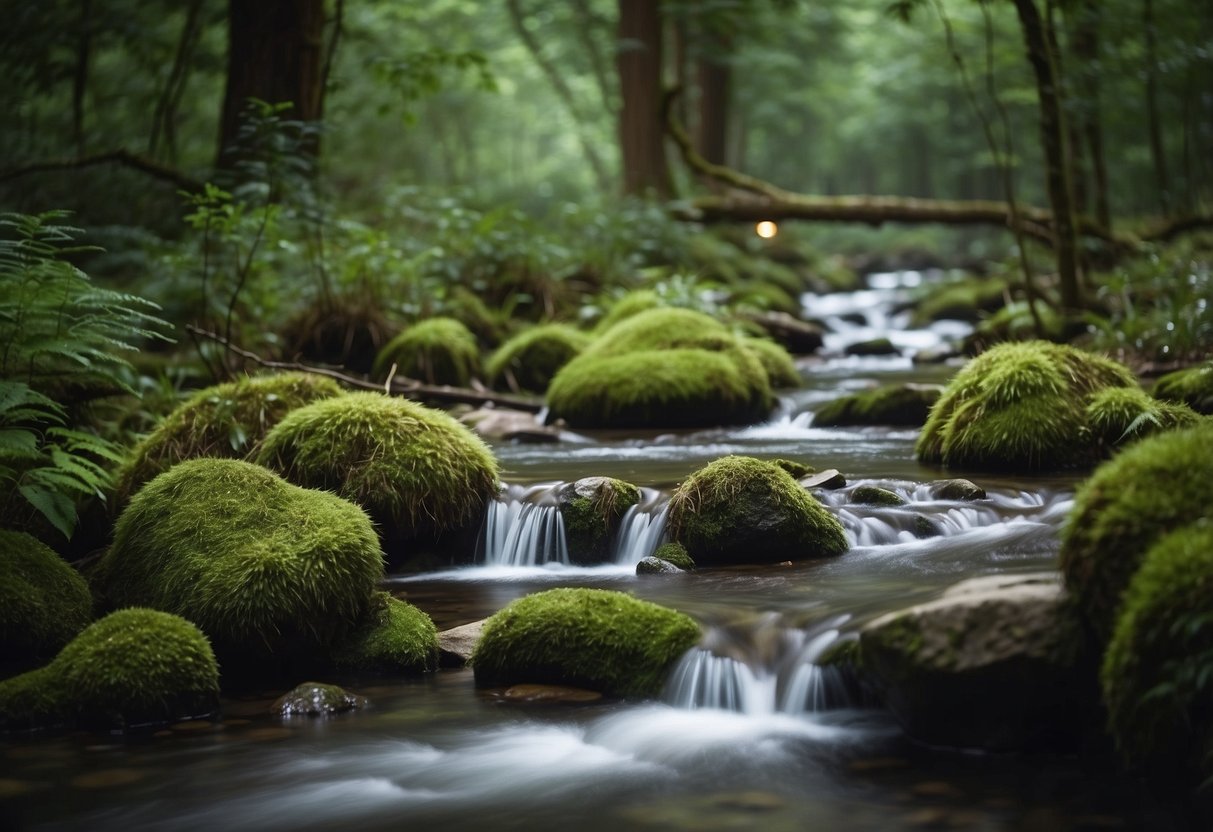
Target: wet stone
(549, 694)
(317, 699)
(830, 478)
(455, 645)
(656, 566)
(957, 489)
(872, 495)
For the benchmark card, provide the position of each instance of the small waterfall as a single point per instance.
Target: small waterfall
(641, 528)
(813, 688)
(523, 528)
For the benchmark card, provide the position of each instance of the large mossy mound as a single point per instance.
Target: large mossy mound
(1119, 415)
(227, 420)
(589, 638)
(592, 508)
(437, 351)
(665, 368)
(633, 303)
(264, 567)
(392, 637)
(43, 601)
(1157, 674)
(417, 471)
(133, 667)
(1020, 407)
(1193, 387)
(530, 359)
(740, 510)
(1148, 490)
(781, 369)
(898, 405)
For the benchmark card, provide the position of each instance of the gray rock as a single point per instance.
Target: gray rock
(592, 508)
(872, 495)
(876, 346)
(957, 489)
(996, 663)
(317, 699)
(455, 645)
(829, 478)
(657, 566)
(796, 336)
(501, 423)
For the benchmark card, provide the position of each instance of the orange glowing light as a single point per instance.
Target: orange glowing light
(766, 229)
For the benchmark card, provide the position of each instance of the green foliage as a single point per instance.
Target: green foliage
(744, 510)
(62, 341)
(590, 638)
(530, 359)
(1193, 387)
(265, 568)
(1014, 322)
(964, 299)
(416, 471)
(676, 554)
(781, 369)
(1157, 674)
(392, 637)
(1148, 490)
(1020, 407)
(420, 74)
(43, 601)
(227, 420)
(1119, 415)
(902, 405)
(133, 667)
(437, 351)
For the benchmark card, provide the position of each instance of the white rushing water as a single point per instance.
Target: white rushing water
(641, 528)
(523, 528)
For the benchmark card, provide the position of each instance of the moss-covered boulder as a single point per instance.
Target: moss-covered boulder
(134, 667)
(592, 508)
(268, 570)
(676, 554)
(741, 510)
(43, 601)
(588, 638)
(996, 663)
(963, 300)
(436, 351)
(633, 303)
(898, 405)
(1148, 490)
(872, 347)
(317, 699)
(781, 369)
(1119, 415)
(873, 495)
(417, 471)
(392, 637)
(798, 470)
(1020, 407)
(530, 359)
(227, 420)
(1157, 674)
(1193, 387)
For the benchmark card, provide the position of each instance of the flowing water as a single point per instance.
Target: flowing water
(750, 732)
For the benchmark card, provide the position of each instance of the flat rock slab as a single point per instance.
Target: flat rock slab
(503, 424)
(549, 694)
(829, 478)
(455, 645)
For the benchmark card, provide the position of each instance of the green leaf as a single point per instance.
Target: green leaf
(54, 505)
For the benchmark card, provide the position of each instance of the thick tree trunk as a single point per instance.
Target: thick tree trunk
(275, 54)
(1053, 142)
(640, 128)
(715, 79)
(1153, 122)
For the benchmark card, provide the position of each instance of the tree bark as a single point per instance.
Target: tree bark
(1084, 42)
(715, 80)
(1157, 152)
(640, 132)
(275, 54)
(165, 115)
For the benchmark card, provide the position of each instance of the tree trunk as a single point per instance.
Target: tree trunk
(165, 116)
(275, 54)
(640, 128)
(1053, 142)
(1157, 153)
(1084, 41)
(714, 82)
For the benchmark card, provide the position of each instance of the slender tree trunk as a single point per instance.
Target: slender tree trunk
(1053, 142)
(640, 128)
(275, 54)
(1153, 122)
(165, 114)
(1084, 42)
(588, 24)
(84, 49)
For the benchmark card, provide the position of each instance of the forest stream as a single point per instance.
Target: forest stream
(750, 732)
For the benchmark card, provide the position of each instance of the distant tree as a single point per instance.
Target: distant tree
(639, 62)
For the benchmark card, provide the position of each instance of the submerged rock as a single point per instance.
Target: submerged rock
(875, 346)
(996, 663)
(872, 495)
(317, 699)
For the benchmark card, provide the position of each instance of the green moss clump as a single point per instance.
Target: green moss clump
(1157, 674)
(664, 329)
(1151, 488)
(873, 496)
(1019, 407)
(43, 601)
(417, 471)
(262, 566)
(133, 667)
(590, 638)
(227, 420)
(437, 351)
(781, 369)
(393, 637)
(592, 508)
(633, 303)
(529, 360)
(963, 300)
(743, 510)
(899, 405)
(1193, 387)
(469, 308)
(1014, 322)
(1118, 415)
(676, 554)
(798, 470)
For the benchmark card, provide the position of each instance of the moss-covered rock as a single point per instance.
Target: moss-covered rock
(592, 508)
(1119, 415)
(871, 495)
(227, 420)
(676, 554)
(392, 637)
(1148, 490)
(317, 699)
(899, 405)
(798, 470)
(1157, 674)
(436, 351)
(589, 638)
(488, 325)
(43, 601)
(417, 471)
(1193, 387)
(1014, 322)
(962, 300)
(530, 359)
(633, 303)
(796, 336)
(265, 568)
(1020, 407)
(781, 369)
(873, 346)
(131, 668)
(743, 510)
